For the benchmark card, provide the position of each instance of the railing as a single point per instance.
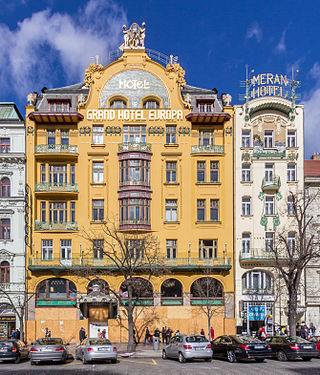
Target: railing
(198, 263)
(260, 291)
(64, 149)
(134, 183)
(49, 225)
(171, 301)
(207, 149)
(273, 183)
(203, 301)
(125, 147)
(257, 254)
(46, 186)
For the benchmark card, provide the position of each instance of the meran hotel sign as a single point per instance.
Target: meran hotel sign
(268, 84)
(135, 114)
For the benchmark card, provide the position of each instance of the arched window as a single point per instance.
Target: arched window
(118, 104)
(141, 288)
(5, 187)
(56, 289)
(206, 287)
(4, 272)
(103, 286)
(256, 282)
(151, 104)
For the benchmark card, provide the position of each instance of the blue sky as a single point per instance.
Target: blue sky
(50, 42)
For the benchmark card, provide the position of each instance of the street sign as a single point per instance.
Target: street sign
(257, 312)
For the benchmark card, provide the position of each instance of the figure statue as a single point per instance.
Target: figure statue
(126, 36)
(134, 36)
(226, 99)
(142, 34)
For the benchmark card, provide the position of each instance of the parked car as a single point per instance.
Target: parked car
(13, 350)
(316, 340)
(92, 349)
(186, 347)
(286, 347)
(237, 347)
(48, 349)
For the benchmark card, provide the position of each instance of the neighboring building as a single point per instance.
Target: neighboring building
(269, 157)
(12, 189)
(135, 143)
(312, 187)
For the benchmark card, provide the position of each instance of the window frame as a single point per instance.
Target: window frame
(201, 210)
(246, 206)
(245, 172)
(171, 210)
(214, 208)
(246, 138)
(171, 172)
(47, 249)
(97, 172)
(97, 210)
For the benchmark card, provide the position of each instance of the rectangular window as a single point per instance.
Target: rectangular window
(246, 206)
(290, 206)
(201, 210)
(269, 210)
(4, 145)
(214, 171)
(58, 212)
(136, 134)
(97, 209)
(246, 243)
(205, 106)
(43, 211)
(291, 138)
(65, 249)
(135, 211)
(47, 249)
(171, 135)
(201, 171)
(51, 137)
(291, 169)
(246, 138)
(97, 135)
(171, 249)
(60, 106)
(171, 171)
(214, 209)
(269, 172)
(72, 174)
(206, 138)
(98, 246)
(43, 173)
(58, 175)
(246, 173)
(65, 137)
(291, 242)
(208, 249)
(5, 229)
(73, 211)
(135, 248)
(268, 138)
(171, 210)
(97, 172)
(269, 241)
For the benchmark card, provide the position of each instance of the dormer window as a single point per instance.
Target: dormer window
(205, 106)
(59, 106)
(118, 104)
(151, 104)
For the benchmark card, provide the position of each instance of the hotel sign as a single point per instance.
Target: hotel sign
(135, 114)
(268, 84)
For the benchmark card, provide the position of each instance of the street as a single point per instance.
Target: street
(147, 365)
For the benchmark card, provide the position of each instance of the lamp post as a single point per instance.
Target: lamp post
(225, 252)
(189, 252)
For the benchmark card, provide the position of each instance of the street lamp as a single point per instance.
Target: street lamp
(189, 253)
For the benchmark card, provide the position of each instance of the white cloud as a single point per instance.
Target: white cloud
(254, 31)
(49, 45)
(281, 46)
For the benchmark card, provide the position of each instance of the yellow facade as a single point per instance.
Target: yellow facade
(62, 215)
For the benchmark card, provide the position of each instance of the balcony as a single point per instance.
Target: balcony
(259, 291)
(57, 226)
(135, 224)
(271, 185)
(45, 187)
(209, 118)
(257, 255)
(207, 149)
(56, 117)
(182, 264)
(129, 147)
(63, 150)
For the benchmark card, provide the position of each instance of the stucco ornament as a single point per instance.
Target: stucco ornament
(89, 73)
(133, 38)
(180, 73)
(226, 99)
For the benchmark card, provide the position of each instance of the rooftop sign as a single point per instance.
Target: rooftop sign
(268, 84)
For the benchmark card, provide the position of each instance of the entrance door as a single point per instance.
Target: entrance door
(65, 252)
(94, 326)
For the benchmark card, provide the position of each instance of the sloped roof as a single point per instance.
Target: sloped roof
(9, 111)
(311, 168)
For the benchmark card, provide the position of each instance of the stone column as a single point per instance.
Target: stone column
(229, 305)
(157, 298)
(186, 298)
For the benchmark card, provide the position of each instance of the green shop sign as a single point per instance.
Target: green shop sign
(56, 303)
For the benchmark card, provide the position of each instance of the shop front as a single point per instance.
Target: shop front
(7, 320)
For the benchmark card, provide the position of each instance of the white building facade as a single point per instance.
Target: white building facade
(12, 229)
(269, 160)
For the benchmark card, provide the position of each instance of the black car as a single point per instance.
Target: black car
(13, 350)
(237, 347)
(286, 347)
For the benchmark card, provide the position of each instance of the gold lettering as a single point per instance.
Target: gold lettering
(276, 79)
(269, 78)
(262, 78)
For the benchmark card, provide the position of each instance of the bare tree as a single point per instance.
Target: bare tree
(135, 256)
(295, 246)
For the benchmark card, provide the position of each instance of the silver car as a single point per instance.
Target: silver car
(48, 349)
(95, 349)
(186, 347)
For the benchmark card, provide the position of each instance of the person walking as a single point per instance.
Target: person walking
(82, 334)
(202, 332)
(18, 333)
(146, 337)
(177, 333)
(211, 333)
(312, 329)
(104, 334)
(156, 333)
(163, 334)
(169, 335)
(99, 333)
(48, 332)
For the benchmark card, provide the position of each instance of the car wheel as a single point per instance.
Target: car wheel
(281, 355)
(306, 359)
(259, 359)
(231, 356)
(17, 360)
(181, 358)
(33, 363)
(164, 354)
(84, 361)
(113, 360)
(208, 359)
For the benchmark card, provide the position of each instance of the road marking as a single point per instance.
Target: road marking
(154, 363)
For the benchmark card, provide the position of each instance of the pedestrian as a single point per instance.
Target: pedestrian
(163, 334)
(48, 332)
(146, 337)
(211, 335)
(177, 333)
(202, 332)
(303, 332)
(82, 334)
(14, 334)
(104, 334)
(18, 333)
(262, 334)
(156, 332)
(312, 329)
(169, 335)
(99, 333)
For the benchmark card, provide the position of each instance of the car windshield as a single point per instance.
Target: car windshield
(6, 343)
(49, 341)
(247, 339)
(296, 340)
(99, 342)
(196, 339)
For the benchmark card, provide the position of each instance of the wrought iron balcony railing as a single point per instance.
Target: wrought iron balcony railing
(207, 149)
(260, 291)
(47, 186)
(143, 147)
(52, 149)
(256, 255)
(272, 183)
(50, 225)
